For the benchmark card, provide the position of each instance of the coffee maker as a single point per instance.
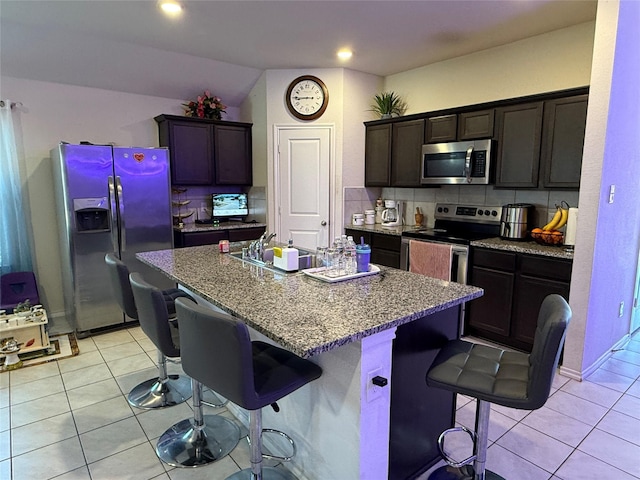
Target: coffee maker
(392, 214)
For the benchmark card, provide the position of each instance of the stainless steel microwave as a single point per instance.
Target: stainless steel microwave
(456, 163)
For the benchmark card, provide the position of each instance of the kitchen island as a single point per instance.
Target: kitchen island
(388, 325)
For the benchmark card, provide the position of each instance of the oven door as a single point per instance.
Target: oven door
(459, 266)
(459, 259)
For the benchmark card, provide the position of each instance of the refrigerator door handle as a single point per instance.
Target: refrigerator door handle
(114, 215)
(123, 229)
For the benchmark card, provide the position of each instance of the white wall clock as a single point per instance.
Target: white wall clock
(307, 97)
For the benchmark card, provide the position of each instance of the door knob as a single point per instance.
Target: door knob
(323, 223)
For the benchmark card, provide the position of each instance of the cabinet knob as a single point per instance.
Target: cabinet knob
(323, 223)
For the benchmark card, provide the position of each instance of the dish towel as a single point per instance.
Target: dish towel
(430, 259)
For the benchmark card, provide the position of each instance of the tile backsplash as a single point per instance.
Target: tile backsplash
(356, 200)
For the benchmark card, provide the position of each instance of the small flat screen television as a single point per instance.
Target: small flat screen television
(227, 205)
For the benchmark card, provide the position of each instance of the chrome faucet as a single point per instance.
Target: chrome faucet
(256, 248)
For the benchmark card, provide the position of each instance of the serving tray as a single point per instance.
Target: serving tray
(320, 275)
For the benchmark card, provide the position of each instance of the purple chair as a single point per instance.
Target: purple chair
(15, 288)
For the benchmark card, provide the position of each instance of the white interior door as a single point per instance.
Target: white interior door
(303, 185)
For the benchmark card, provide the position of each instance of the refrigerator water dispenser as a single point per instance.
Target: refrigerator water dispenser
(91, 214)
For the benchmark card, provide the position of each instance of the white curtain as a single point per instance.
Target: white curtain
(15, 254)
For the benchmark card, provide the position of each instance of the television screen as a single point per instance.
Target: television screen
(230, 205)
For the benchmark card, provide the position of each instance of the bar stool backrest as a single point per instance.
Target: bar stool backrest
(217, 352)
(551, 330)
(119, 277)
(153, 315)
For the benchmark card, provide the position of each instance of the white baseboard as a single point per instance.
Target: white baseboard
(581, 375)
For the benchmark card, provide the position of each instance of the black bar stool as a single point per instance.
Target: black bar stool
(218, 351)
(186, 444)
(165, 390)
(492, 375)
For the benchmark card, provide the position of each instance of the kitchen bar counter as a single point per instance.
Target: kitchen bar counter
(389, 325)
(305, 315)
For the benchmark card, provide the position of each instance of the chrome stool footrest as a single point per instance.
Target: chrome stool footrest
(284, 458)
(444, 454)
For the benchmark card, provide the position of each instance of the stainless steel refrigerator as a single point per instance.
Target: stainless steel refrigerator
(109, 199)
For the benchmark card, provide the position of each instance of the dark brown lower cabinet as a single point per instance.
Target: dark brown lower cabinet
(515, 284)
(385, 249)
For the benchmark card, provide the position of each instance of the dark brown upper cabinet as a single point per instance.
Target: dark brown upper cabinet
(377, 154)
(563, 141)
(476, 125)
(519, 129)
(443, 128)
(406, 153)
(540, 144)
(232, 157)
(392, 154)
(206, 152)
(461, 126)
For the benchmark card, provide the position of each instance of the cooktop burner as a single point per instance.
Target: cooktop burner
(461, 224)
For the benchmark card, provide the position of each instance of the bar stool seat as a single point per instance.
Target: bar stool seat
(492, 375)
(165, 390)
(218, 351)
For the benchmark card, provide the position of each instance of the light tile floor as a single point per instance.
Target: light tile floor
(70, 420)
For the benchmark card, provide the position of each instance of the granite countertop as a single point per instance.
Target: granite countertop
(530, 247)
(195, 227)
(378, 228)
(305, 315)
(497, 243)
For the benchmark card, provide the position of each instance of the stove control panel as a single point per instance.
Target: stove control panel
(468, 213)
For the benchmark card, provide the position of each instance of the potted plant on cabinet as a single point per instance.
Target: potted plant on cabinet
(388, 104)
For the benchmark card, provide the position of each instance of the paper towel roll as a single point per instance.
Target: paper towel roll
(572, 225)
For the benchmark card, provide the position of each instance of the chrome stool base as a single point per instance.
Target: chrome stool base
(155, 394)
(268, 473)
(185, 445)
(462, 473)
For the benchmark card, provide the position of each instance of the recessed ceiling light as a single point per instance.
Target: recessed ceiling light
(345, 54)
(170, 7)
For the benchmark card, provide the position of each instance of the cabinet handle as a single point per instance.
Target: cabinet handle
(323, 223)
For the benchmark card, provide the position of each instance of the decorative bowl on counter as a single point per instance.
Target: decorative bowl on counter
(548, 238)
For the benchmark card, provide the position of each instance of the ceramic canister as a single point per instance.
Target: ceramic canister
(358, 219)
(369, 217)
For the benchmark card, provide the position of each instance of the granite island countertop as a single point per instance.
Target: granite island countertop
(305, 315)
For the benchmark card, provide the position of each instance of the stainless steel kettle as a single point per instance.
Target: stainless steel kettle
(516, 220)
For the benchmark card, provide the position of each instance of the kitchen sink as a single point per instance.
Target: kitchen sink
(306, 259)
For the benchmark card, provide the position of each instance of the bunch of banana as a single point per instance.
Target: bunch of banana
(559, 218)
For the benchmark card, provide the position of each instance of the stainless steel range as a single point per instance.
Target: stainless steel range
(457, 225)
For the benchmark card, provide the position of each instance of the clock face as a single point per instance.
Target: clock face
(307, 97)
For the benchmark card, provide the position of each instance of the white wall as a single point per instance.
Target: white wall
(554, 61)
(52, 113)
(608, 236)
(349, 95)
